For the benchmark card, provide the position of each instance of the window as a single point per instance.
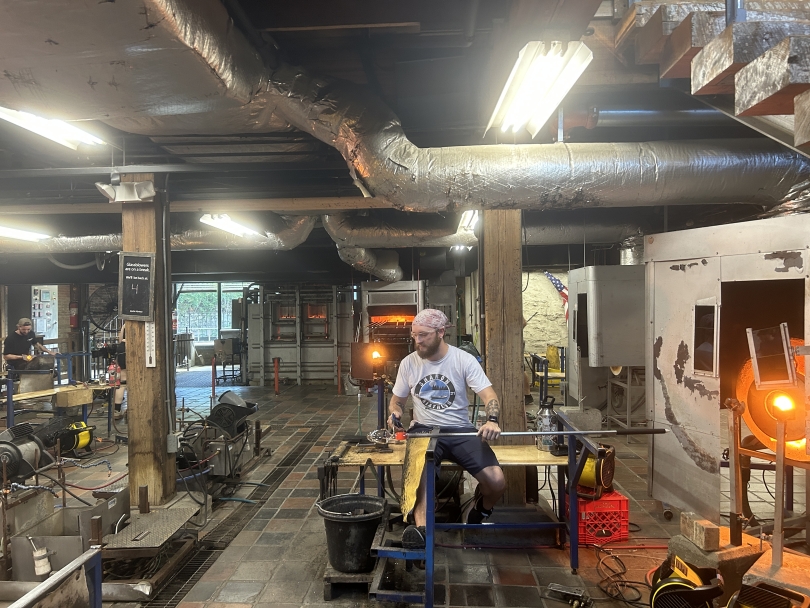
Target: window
(704, 346)
(581, 324)
(197, 310)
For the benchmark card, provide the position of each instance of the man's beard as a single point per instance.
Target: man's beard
(429, 350)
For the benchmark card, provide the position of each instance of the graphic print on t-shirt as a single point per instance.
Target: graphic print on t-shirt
(436, 392)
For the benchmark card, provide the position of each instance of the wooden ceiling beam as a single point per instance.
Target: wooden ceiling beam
(290, 205)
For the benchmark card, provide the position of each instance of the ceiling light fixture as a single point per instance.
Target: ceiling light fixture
(55, 130)
(540, 80)
(128, 192)
(224, 222)
(468, 220)
(21, 235)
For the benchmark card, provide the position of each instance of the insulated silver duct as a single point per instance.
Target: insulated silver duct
(631, 251)
(371, 139)
(296, 232)
(581, 226)
(383, 264)
(354, 230)
(191, 62)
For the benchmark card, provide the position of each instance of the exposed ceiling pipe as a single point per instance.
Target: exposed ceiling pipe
(560, 176)
(581, 226)
(296, 232)
(353, 230)
(539, 228)
(382, 263)
(623, 116)
(196, 73)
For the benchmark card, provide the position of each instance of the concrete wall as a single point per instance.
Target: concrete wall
(548, 325)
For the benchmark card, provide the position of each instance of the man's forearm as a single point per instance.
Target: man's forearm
(397, 406)
(493, 408)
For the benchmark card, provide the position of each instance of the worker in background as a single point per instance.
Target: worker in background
(121, 359)
(22, 345)
(437, 375)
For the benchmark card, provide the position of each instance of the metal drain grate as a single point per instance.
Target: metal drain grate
(192, 571)
(303, 447)
(224, 533)
(185, 578)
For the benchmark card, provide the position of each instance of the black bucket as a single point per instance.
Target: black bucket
(351, 521)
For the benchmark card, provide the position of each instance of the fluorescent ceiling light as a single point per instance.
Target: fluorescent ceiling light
(22, 235)
(224, 222)
(55, 130)
(468, 220)
(541, 78)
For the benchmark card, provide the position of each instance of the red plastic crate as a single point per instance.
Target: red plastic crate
(604, 520)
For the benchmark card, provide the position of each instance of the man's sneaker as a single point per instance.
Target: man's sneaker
(475, 513)
(413, 537)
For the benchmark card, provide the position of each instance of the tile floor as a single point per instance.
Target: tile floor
(278, 558)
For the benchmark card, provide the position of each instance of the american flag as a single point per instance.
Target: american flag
(561, 288)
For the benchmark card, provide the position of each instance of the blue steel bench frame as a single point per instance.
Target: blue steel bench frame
(574, 466)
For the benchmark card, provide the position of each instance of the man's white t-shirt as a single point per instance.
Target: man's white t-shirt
(439, 388)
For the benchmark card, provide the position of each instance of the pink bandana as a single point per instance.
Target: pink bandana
(430, 317)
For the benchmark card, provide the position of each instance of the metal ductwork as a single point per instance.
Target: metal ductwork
(560, 176)
(581, 226)
(631, 251)
(292, 231)
(195, 72)
(296, 232)
(357, 230)
(383, 264)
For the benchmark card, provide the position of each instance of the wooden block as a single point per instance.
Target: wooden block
(703, 533)
(649, 42)
(686, 41)
(768, 85)
(687, 523)
(801, 124)
(714, 67)
(706, 535)
(73, 397)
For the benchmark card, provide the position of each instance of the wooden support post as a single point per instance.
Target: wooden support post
(150, 464)
(504, 331)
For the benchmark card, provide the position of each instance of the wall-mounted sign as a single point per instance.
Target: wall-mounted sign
(136, 282)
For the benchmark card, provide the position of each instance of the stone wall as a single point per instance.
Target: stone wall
(548, 325)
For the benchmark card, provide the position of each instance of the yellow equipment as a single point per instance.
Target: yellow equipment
(678, 585)
(598, 472)
(77, 436)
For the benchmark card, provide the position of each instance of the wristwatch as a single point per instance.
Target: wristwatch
(492, 419)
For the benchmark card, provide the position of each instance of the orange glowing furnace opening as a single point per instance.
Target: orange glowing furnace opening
(392, 319)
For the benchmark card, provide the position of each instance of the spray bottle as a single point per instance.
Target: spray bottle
(546, 421)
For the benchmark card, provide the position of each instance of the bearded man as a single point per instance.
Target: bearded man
(436, 375)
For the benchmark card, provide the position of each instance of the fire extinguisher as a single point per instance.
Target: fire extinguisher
(73, 307)
(113, 374)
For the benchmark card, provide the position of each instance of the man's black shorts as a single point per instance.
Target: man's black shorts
(473, 454)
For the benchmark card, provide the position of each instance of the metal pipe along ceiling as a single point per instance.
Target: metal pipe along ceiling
(296, 232)
(581, 226)
(382, 263)
(353, 230)
(195, 72)
(559, 176)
